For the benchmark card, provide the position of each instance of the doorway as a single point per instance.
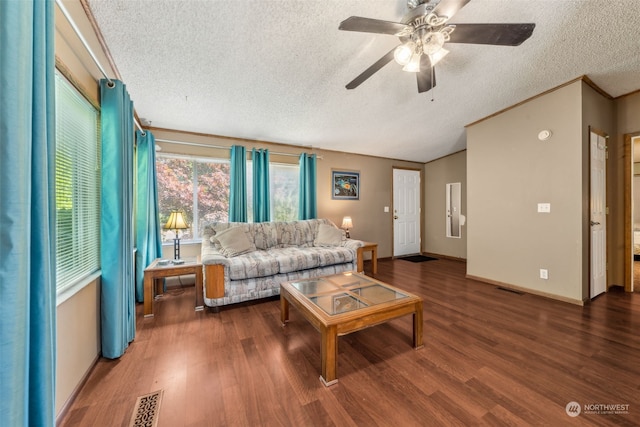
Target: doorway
(632, 208)
(406, 211)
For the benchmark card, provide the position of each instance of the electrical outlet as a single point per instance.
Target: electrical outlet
(544, 273)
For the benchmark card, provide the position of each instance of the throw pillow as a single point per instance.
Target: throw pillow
(233, 242)
(328, 236)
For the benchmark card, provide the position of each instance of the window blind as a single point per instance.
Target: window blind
(77, 186)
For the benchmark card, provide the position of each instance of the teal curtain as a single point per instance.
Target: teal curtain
(261, 199)
(308, 208)
(116, 228)
(27, 214)
(148, 243)
(238, 189)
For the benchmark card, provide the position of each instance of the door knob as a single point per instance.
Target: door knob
(395, 217)
(595, 223)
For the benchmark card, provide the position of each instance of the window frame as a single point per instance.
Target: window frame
(195, 220)
(83, 185)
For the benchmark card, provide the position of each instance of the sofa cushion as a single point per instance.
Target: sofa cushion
(328, 236)
(295, 233)
(333, 255)
(253, 264)
(294, 259)
(233, 242)
(265, 235)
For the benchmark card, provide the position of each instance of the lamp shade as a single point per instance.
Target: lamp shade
(346, 222)
(176, 221)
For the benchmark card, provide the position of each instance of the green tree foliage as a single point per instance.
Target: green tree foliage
(178, 178)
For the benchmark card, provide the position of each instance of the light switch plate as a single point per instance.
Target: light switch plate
(544, 207)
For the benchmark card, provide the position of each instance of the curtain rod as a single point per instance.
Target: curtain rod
(197, 144)
(67, 15)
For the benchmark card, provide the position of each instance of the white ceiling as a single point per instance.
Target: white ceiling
(275, 70)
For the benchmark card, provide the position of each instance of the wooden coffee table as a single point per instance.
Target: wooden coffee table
(343, 303)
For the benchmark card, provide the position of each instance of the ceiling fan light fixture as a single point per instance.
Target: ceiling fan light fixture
(432, 42)
(436, 57)
(414, 64)
(403, 53)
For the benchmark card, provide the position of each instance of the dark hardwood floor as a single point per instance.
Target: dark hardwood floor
(491, 357)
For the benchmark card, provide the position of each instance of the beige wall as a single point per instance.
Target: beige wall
(78, 340)
(509, 171)
(370, 222)
(437, 174)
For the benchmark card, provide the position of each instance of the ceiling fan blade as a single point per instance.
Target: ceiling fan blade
(368, 25)
(371, 70)
(449, 8)
(427, 75)
(495, 34)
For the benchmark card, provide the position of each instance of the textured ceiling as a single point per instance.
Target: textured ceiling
(275, 70)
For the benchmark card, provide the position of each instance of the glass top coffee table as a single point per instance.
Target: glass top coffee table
(347, 302)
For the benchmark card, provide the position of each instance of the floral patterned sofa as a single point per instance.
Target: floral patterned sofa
(247, 261)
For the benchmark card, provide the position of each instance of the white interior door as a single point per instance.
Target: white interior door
(406, 212)
(598, 218)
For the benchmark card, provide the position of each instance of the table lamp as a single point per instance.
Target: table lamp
(176, 222)
(347, 224)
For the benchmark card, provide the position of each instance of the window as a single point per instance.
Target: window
(284, 191)
(200, 187)
(77, 172)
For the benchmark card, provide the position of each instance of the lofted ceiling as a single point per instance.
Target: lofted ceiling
(276, 70)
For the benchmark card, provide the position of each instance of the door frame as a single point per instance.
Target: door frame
(628, 210)
(391, 221)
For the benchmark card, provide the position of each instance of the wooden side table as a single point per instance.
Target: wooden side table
(154, 272)
(368, 247)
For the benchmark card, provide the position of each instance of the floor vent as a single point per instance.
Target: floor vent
(146, 410)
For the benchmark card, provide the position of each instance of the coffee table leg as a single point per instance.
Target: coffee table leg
(284, 309)
(329, 353)
(417, 326)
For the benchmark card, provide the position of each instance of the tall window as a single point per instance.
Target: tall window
(284, 191)
(200, 187)
(77, 171)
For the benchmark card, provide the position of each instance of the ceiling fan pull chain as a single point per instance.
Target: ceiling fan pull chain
(432, 79)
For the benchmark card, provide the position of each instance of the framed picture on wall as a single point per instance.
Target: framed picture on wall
(345, 185)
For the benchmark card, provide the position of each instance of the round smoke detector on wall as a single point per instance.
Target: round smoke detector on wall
(544, 135)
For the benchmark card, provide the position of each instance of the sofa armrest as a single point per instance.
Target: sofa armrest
(353, 244)
(214, 265)
(214, 280)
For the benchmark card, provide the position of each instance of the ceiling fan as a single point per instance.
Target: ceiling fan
(423, 32)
